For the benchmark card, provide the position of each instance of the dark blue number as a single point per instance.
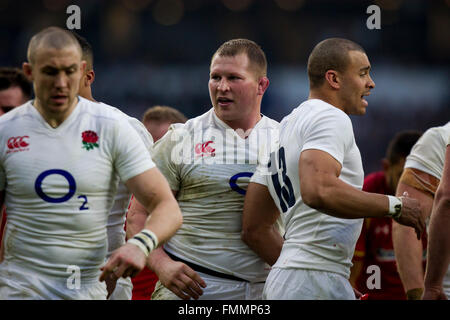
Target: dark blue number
(44, 196)
(233, 182)
(284, 192)
(83, 206)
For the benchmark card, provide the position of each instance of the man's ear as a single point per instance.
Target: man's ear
(332, 77)
(27, 70)
(263, 84)
(90, 77)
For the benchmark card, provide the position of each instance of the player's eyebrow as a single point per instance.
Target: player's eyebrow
(365, 68)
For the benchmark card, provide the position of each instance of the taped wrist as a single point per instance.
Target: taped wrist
(145, 240)
(395, 207)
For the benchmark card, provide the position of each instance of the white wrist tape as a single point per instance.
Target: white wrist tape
(145, 240)
(395, 207)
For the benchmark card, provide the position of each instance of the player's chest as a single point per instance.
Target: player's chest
(32, 158)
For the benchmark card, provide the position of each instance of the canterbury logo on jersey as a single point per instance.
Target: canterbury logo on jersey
(16, 144)
(205, 149)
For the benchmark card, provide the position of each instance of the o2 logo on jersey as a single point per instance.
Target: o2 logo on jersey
(284, 191)
(72, 188)
(234, 179)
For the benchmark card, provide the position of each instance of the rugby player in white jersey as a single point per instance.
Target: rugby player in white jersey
(421, 177)
(61, 156)
(438, 260)
(315, 180)
(208, 162)
(118, 289)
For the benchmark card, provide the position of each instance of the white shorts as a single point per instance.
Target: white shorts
(304, 284)
(123, 290)
(217, 289)
(17, 283)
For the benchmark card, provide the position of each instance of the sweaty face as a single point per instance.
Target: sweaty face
(56, 75)
(11, 98)
(233, 88)
(356, 84)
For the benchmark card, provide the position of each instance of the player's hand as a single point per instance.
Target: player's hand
(411, 214)
(180, 279)
(434, 294)
(127, 261)
(110, 285)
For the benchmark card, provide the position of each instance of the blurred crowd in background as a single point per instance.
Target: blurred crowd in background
(149, 52)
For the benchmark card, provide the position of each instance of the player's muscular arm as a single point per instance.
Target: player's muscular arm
(258, 223)
(152, 190)
(137, 216)
(321, 189)
(439, 238)
(408, 250)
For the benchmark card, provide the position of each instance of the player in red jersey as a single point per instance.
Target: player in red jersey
(157, 120)
(374, 246)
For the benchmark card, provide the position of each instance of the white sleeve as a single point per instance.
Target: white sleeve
(162, 155)
(142, 131)
(427, 154)
(331, 131)
(260, 175)
(130, 155)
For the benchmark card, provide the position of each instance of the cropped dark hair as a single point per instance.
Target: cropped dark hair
(14, 77)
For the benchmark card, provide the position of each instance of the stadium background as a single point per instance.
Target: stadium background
(151, 52)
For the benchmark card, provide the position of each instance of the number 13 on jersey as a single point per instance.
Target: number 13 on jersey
(283, 188)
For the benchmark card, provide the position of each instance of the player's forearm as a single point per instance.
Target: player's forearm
(333, 196)
(408, 255)
(156, 259)
(165, 219)
(136, 218)
(438, 256)
(265, 241)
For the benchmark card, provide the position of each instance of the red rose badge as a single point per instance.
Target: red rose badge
(89, 139)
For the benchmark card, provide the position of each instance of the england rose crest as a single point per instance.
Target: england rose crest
(89, 139)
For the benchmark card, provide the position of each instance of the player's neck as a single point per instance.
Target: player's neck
(54, 119)
(326, 96)
(243, 127)
(87, 94)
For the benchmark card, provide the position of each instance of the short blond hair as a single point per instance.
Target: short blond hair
(163, 114)
(51, 37)
(255, 54)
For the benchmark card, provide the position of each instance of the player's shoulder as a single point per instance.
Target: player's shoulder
(435, 134)
(17, 114)
(268, 123)
(196, 123)
(101, 110)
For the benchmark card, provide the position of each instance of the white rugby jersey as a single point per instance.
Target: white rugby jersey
(117, 215)
(428, 155)
(59, 185)
(210, 166)
(314, 240)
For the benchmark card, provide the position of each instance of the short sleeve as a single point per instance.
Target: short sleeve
(331, 131)
(131, 157)
(164, 151)
(260, 175)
